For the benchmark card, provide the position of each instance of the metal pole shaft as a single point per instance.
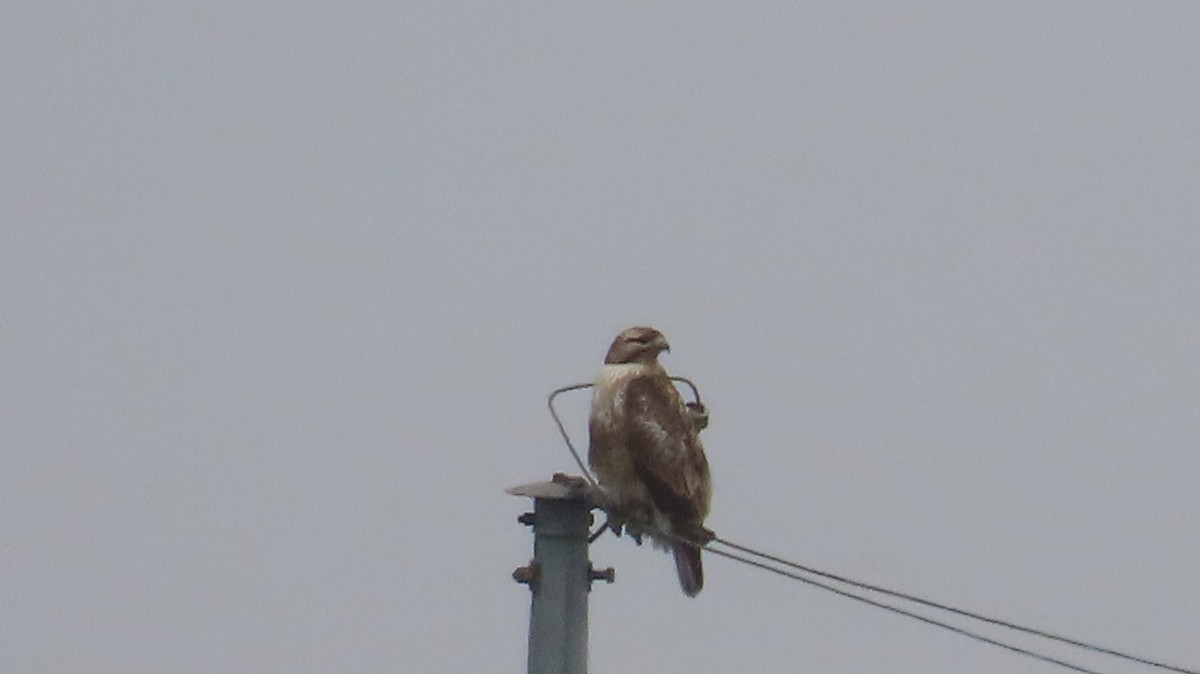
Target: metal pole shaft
(558, 628)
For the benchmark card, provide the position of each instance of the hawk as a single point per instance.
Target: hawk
(645, 450)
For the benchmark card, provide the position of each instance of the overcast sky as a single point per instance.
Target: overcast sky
(283, 289)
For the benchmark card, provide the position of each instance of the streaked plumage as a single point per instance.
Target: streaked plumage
(645, 450)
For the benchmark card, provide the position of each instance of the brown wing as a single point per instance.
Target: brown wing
(665, 449)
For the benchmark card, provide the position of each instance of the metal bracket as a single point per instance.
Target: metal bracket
(608, 575)
(528, 575)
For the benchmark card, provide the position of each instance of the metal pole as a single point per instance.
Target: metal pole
(559, 577)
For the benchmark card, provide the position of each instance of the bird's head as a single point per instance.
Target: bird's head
(637, 345)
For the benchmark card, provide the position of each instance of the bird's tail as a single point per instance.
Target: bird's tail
(687, 564)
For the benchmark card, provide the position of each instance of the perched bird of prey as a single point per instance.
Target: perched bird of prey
(645, 450)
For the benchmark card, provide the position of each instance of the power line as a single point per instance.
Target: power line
(958, 611)
(895, 609)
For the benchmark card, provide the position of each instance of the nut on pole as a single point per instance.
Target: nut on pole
(527, 575)
(608, 575)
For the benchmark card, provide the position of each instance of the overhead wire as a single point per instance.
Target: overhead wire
(957, 611)
(893, 609)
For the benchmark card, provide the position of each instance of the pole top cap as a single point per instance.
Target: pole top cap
(560, 487)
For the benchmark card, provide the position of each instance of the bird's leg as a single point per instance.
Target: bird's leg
(635, 526)
(619, 522)
(614, 518)
(621, 525)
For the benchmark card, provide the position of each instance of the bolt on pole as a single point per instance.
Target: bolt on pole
(559, 576)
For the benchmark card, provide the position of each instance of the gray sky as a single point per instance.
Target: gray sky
(283, 289)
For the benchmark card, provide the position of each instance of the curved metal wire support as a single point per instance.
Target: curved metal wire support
(563, 431)
(695, 391)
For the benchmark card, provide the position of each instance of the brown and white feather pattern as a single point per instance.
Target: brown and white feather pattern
(646, 452)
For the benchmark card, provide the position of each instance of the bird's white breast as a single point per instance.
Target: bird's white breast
(608, 393)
